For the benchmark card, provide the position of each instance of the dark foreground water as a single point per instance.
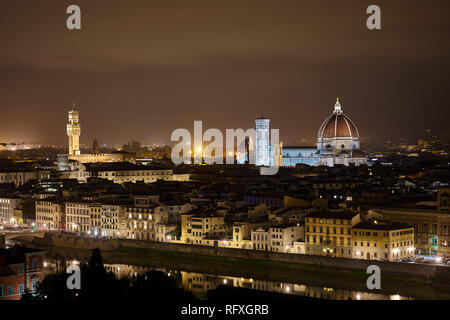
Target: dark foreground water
(200, 283)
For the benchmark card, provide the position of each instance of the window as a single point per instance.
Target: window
(1, 290)
(34, 263)
(34, 283)
(21, 268)
(10, 290)
(21, 289)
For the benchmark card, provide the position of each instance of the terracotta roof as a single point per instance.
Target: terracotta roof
(338, 125)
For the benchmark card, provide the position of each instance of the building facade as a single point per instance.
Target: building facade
(196, 227)
(383, 241)
(111, 220)
(282, 237)
(78, 217)
(19, 175)
(140, 223)
(121, 172)
(50, 214)
(20, 268)
(330, 233)
(425, 223)
(7, 207)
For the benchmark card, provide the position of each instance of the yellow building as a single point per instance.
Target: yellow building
(50, 214)
(444, 235)
(329, 233)
(17, 215)
(383, 241)
(425, 223)
(196, 226)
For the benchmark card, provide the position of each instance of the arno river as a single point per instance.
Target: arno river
(200, 283)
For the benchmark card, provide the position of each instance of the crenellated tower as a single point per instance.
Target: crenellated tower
(74, 131)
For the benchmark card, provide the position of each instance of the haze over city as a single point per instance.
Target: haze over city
(140, 71)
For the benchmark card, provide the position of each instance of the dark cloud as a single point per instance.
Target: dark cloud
(139, 69)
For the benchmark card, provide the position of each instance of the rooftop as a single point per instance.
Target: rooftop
(381, 226)
(333, 214)
(118, 166)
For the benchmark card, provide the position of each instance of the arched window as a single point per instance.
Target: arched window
(34, 283)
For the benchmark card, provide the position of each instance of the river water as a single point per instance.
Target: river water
(200, 283)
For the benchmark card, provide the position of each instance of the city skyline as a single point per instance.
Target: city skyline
(216, 158)
(221, 64)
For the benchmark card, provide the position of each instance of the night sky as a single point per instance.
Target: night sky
(140, 69)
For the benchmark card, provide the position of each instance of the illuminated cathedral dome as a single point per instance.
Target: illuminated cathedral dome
(337, 144)
(337, 132)
(338, 125)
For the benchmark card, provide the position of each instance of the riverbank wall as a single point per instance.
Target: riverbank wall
(433, 273)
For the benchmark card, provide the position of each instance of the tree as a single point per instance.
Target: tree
(28, 209)
(96, 261)
(228, 220)
(98, 284)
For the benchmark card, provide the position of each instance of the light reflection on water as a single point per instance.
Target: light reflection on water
(200, 283)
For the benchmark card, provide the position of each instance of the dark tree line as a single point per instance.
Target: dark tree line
(99, 284)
